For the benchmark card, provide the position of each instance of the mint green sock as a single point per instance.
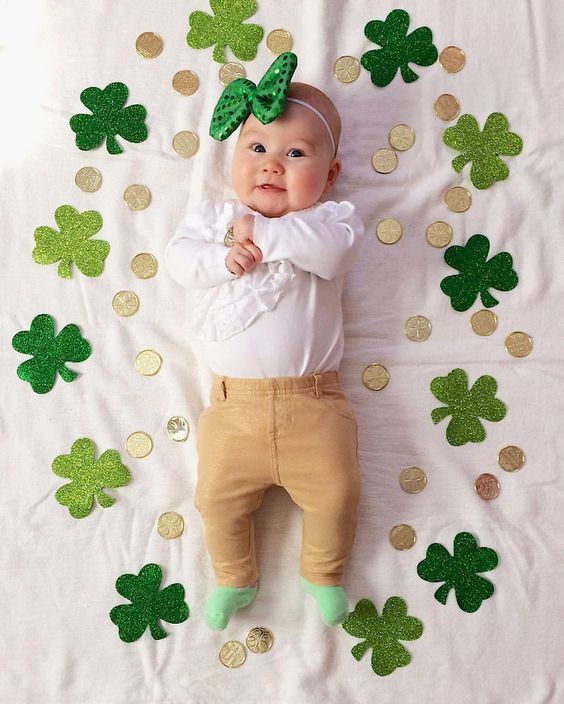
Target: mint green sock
(223, 601)
(332, 601)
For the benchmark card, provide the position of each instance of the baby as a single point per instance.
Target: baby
(269, 268)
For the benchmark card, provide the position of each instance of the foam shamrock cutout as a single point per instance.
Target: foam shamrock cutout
(477, 275)
(88, 477)
(227, 28)
(72, 243)
(458, 571)
(50, 353)
(466, 406)
(148, 604)
(483, 148)
(382, 633)
(398, 49)
(109, 118)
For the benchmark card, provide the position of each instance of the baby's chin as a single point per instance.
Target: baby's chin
(270, 210)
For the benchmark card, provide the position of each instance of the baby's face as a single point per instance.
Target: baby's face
(285, 165)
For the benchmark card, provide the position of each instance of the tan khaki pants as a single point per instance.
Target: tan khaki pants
(296, 432)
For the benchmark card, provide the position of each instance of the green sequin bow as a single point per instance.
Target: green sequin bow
(266, 101)
(458, 571)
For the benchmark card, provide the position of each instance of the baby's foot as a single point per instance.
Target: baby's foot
(223, 601)
(332, 601)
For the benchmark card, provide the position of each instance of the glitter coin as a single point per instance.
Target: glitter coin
(452, 59)
(178, 428)
(384, 160)
(511, 458)
(458, 199)
(185, 82)
(125, 303)
(88, 179)
(389, 231)
(346, 69)
(230, 71)
(148, 362)
(418, 328)
(259, 640)
(279, 41)
(139, 444)
(483, 322)
(412, 480)
(438, 234)
(232, 654)
(401, 137)
(446, 107)
(149, 45)
(402, 537)
(375, 377)
(170, 525)
(518, 344)
(185, 143)
(144, 265)
(487, 486)
(137, 197)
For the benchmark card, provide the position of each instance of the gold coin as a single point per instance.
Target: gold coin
(88, 179)
(230, 71)
(487, 486)
(402, 537)
(418, 328)
(518, 344)
(139, 444)
(137, 197)
(125, 303)
(401, 137)
(279, 41)
(229, 239)
(178, 428)
(511, 458)
(149, 45)
(446, 107)
(452, 59)
(346, 69)
(375, 377)
(412, 480)
(458, 199)
(483, 322)
(170, 525)
(148, 362)
(384, 160)
(438, 234)
(389, 231)
(185, 143)
(185, 82)
(232, 654)
(144, 265)
(259, 640)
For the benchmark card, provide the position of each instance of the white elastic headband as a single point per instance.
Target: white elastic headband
(319, 115)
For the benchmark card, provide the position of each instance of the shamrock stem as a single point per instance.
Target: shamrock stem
(66, 374)
(407, 74)
(359, 649)
(156, 631)
(219, 53)
(112, 145)
(488, 300)
(460, 162)
(63, 269)
(104, 500)
(442, 593)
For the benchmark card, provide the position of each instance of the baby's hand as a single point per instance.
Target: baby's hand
(243, 229)
(242, 258)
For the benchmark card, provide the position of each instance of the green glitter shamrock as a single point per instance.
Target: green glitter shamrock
(459, 571)
(72, 242)
(108, 118)
(476, 274)
(50, 353)
(483, 148)
(227, 28)
(466, 406)
(88, 477)
(148, 604)
(382, 633)
(398, 48)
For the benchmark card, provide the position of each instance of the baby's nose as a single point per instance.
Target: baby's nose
(272, 165)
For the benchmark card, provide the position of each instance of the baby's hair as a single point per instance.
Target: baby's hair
(320, 101)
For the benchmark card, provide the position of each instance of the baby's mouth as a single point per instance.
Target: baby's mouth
(271, 188)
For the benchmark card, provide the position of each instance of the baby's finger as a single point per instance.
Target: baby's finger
(254, 250)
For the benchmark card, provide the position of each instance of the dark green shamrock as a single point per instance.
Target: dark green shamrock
(88, 477)
(459, 571)
(476, 274)
(382, 633)
(50, 353)
(398, 48)
(72, 243)
(148, 604)
(108, 118)
(483, 148)
(466, 406)
(227, 28)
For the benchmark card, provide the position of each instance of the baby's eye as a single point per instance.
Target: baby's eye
(295, 152)
(258, 148)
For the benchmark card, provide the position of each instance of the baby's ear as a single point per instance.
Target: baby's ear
(334, 170)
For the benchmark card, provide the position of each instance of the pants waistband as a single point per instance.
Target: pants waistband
(225, 385)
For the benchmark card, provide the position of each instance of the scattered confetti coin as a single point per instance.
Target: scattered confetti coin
(279, 41)
(446, 107)
(149, 45)
(384, 160)
(418, 328)
(389, 231)
(375, 377)
(139, 444)
(483, 322)
(438, 234)
(259, 640)
(232, 654)
(137, 197)
(401, 137)
(402, 537)
(452, 59)
(230, 71)
(144, 265)
(518, 344)
(346, 69)
(170, 525)
(458, 199)
(511, 458)
(185, 82)
(487, 486)
(88, 179)
(185, 143)
(412, 480)
(148, 362)
(125, 303)
(178, 428)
